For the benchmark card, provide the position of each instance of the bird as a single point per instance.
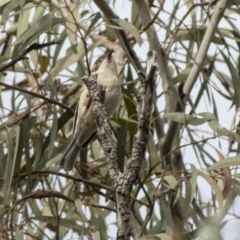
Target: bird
(84, 127)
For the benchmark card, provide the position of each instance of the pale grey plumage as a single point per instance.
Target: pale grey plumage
(84, 121)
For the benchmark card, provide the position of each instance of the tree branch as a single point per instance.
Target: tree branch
(123, 182)
(104, 7)
(19, 177)
(127, 179)
(48, 100)
(157, 196)
(97, 93)
(219, 9)
(21, 56)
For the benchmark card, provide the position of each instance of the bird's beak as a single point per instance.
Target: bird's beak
(109, 56)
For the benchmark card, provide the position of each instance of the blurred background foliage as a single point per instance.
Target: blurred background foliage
(188, 187)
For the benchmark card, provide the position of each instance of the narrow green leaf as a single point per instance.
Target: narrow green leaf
(216, 127)
(13, 135)
(193, 181)
(79, 205)
(214, 186)
(171, 180)
(130, 104)
(131, 28)
(167, 215)
(28, 124)
(163, 236)
(122, 135)
(53, 132)
(19, 150)
(226, 162)
(96, 17)
(153, 155)
(235, 78)
(186, 200)
(70, 57)
(102, 227)
(184, 118)
(71, 224)
(196, 35)
(9, 8)
(132, 125)
(21, 3)
(3, 2)
(45, 23)
(62, 120)
(182, 77)
(19, 235)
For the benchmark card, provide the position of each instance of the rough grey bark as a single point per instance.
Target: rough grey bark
(123, 182)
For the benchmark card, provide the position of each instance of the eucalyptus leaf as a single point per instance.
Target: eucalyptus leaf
(184, 118)
(130, 28)
(226, 162)
(96, 17)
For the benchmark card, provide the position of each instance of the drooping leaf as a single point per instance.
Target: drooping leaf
(163, 236)
(235, 78)
(95, 19)
(214, 186)
(227, 162)
(184, 118)
(216, 127)
(44, 24)
(130, 28)
(11, 159)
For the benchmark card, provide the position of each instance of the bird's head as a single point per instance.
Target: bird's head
(105, 63)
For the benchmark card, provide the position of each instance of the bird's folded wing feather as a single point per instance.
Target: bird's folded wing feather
(75, 116)
(84, 104)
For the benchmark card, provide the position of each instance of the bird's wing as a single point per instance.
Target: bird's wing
(75, 116)
(76, 109)
(85, 100)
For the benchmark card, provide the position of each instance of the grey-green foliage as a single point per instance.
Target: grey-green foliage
(37, 201)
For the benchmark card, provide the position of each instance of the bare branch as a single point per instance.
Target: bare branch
(127, 179)
(219, 9)
(97, 93)
(123, 182)
(19, 177)
(21, 56)
(82, 38)
(157, 196)
(37, 95)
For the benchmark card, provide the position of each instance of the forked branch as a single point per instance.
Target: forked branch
(123, 182)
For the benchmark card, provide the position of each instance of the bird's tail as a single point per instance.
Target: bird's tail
(68, 159)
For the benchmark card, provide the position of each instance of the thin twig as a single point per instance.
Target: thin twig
(82, 38)
(155, 197)
(48, 100)
(105, 8)
(21, 56)
(154, 18)
(19, 177)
